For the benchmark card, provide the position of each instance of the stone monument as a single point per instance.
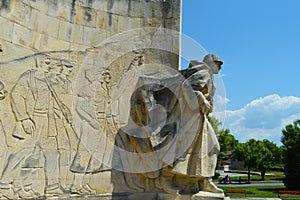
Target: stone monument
(93, 104)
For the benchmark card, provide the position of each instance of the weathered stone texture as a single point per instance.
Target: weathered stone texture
(6, 33)
(85, 16)
(70, 30)
(80, 21)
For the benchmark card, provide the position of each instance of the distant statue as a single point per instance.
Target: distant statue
(180, 156)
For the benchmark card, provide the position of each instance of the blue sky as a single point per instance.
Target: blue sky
(259, 41)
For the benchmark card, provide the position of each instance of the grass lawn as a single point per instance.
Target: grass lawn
(270, 176)
(274, 177)
(257, 192)
(262, 191)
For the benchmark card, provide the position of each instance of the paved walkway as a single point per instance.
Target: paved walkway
(237, 174)
(252, 184)
(257, 198)
(244, 184)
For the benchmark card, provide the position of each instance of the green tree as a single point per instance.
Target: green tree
(291, 142)
(215, 123)
(281, 157)
(255, 154)
(227, 143)
(277, 152)
(266, 156)
(247, 152)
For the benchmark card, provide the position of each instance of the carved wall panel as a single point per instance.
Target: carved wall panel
(62, 65)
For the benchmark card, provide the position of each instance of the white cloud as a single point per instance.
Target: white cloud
(263, 118)
(221, 100)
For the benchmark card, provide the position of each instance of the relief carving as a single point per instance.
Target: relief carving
(60, 120)
(3, 143)
(64, 140)
(43, 136)
(3, 92)
(94, 148)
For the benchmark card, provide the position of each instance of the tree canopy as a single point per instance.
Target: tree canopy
(291, 142)
(255, 154)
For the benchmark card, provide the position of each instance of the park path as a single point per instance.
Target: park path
(257, 198)
(244, 184)
(252, 184)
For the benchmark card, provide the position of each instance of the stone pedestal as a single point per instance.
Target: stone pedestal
(154, 196)
(208, 195)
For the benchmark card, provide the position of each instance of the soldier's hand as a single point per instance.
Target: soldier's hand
(28, 126)
(68, 116)
(206, 107)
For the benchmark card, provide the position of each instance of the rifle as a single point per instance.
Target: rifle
(64, 109)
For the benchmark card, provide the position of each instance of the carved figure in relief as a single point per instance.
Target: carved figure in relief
(123, 180)
(3, 142)
(3, 92)
(33, 105)
(94, 152)
(105, 116)
(66, 137)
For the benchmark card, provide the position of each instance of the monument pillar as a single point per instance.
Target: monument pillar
(92, 100)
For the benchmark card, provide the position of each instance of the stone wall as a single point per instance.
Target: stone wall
(31, 26)
(74, 31)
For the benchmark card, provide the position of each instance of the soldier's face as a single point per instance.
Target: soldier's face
(107, 78)
(67, 70)
(56, 69)
(45, 63)
(215, 66)
(141, 60)
(3, 92)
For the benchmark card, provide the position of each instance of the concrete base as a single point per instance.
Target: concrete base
(148, 196)
(208, 195)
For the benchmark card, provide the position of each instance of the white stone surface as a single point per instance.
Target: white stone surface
(67, 31)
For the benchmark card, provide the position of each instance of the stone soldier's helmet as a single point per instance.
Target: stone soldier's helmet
(212, 57)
